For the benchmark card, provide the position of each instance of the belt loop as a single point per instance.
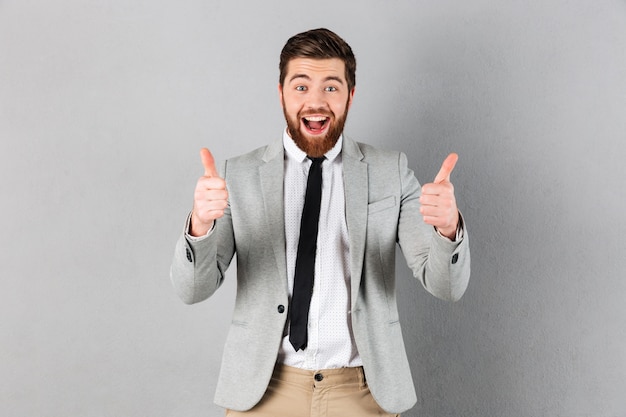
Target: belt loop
(362, 380)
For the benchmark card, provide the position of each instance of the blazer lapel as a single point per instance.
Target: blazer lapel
(271, 176)
(355, 181)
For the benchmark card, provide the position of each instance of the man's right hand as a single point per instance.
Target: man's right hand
(210, 198)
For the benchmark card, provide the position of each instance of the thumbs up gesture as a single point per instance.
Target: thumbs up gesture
(210, 197)
(438, 204)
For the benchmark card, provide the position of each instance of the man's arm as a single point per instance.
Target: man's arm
(205, 248)
(432, 233)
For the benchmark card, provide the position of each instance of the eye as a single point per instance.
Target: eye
(300, 88)
(330, 88)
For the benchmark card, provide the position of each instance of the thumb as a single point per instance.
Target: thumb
(208, 163)
(446, 168)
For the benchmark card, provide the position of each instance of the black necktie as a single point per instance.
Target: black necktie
(305, 260)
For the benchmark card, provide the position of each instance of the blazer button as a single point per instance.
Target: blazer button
(455, 258)
(189, 258)
(281, 309)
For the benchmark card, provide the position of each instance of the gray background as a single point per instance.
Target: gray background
(105, 104)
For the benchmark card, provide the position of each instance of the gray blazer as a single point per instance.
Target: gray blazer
(382, 210)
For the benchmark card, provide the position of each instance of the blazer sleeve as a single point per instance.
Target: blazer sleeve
(442, 266)
(199, 266)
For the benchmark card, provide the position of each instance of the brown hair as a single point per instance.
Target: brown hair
(318, 44)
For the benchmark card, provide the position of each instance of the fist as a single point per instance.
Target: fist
(210, 197)
(438, 204)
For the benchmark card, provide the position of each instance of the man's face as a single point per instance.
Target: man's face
(315, 100)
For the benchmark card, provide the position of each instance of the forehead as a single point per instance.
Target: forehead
(316, 68)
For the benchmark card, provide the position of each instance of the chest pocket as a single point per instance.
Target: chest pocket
(381, 205)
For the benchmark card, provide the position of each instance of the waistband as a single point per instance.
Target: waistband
(322, 377)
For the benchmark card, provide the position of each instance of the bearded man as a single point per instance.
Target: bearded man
(314, 218)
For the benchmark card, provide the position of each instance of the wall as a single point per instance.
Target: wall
(104, 105)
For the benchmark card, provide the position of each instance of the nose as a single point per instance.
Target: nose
(316, 99)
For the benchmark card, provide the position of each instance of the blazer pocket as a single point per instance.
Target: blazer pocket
(381, 205)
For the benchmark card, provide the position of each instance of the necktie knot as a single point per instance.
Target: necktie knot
(317, 161)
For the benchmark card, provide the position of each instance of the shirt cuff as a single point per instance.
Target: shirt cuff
(459, 231)
(191, 238)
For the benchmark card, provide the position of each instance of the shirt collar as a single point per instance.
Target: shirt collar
(299, 155)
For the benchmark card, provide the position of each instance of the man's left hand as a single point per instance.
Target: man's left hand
(438, 204)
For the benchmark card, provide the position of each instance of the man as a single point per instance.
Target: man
(314, 219)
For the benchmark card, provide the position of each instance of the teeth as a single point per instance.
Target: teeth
(315, 118)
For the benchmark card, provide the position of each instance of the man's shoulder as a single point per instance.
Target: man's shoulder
(257, 156)
(373, 153)
(248, 157)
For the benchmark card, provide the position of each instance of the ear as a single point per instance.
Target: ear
(351, 97)
(280, 94)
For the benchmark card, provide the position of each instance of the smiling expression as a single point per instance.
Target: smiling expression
(315, 98)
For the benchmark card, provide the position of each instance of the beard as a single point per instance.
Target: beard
(315, 146)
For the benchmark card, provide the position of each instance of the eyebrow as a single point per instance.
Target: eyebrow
(306, 77)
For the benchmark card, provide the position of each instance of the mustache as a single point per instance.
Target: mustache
(316, 112)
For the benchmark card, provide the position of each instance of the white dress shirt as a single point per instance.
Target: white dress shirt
(330, 340)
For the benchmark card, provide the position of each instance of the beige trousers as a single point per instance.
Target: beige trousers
(294, 392)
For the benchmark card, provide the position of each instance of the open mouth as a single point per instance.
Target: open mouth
(315, 124)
